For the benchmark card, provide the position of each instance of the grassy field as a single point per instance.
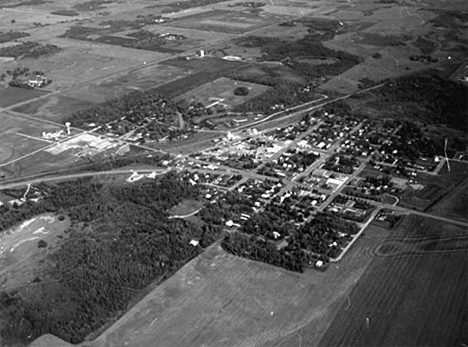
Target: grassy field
(11, 95)
(55, 107)
(223, 88)
(412, 294)
(226, 21)
(186, 207)
(20, 136)
(19, 251)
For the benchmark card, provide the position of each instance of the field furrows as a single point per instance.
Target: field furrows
(412, 297)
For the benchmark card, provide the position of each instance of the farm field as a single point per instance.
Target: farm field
(454, 204)
(222, 300)
(10, 95)
(412, 292)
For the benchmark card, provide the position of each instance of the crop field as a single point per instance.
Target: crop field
(269, 71)
(223, 88)
(455, 203)
(221, 300)
(413, 292)
(143, 78)
(226, 21)
(391, 34)
(10, 95)
(54, 107)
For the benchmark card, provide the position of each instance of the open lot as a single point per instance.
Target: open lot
(420, 269)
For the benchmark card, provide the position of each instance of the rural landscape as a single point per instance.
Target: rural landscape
(233, 173)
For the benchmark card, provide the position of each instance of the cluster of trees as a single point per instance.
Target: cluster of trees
(121, 240)
(341, 164)
(11, 35)
(254, 248)
(411, 143)
(28, 50)
(428, 97)
(132, 110)
(105, 164)
(320, 239)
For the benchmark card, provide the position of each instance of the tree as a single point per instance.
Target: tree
(242, 91)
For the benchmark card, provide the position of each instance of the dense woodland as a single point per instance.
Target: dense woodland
(28, 50)
(426, 97)
(121, 240)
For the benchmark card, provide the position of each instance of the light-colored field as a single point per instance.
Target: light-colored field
(19, 252)
(226, 21)
(19, 137)
(223, 89)
(85, 63)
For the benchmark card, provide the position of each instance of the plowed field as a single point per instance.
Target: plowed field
(414, 292)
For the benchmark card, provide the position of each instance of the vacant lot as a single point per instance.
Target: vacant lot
(412, 294)
(11, 95)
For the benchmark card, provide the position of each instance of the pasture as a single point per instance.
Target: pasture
(412, 294)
